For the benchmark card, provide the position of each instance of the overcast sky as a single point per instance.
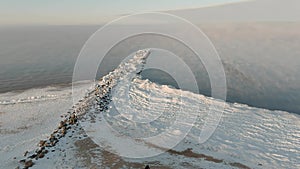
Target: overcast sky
(246, 11)
(81, 12)
(87, 11)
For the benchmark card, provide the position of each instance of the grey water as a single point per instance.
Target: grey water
(36, 56)
(261, 61)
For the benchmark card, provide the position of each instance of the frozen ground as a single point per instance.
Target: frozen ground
(246, 137)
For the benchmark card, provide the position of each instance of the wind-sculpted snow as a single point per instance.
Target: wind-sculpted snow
(251, 136)
(135, 109)
(247, 135)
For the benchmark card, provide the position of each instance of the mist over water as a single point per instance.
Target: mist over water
(260, 60)
(36, 56)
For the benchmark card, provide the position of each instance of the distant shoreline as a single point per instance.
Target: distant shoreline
(36, 86)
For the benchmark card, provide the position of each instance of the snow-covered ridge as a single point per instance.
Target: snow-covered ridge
(257, 138)
(132, 67)
(246, 136)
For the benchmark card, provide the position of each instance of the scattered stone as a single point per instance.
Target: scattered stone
(64, 131)
(41, 155)
(22, 161)
(61, 124)
(53, 143)
(45, 151)
(52, 138)
(41, 143)
(28, 164)
(25, 154)
(39, 150)
(147, 167)
(32, 156)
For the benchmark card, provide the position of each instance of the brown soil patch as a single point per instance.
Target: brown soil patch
(239, 165)
(189, 153)
(86, 150)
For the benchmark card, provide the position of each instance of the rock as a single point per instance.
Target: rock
(41, 143)
(32, 156)
(147, 167)
(61, 124)
(25, 154)
(53, 143)
(73, 116)
(45, 151)
(38, 151)
(22, 161)
(63, 131)
(72, 119)
(28, 164)
(41, 155)
(52, 138)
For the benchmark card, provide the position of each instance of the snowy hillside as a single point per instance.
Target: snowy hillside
(246, 137)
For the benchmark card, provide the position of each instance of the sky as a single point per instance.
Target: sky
(247, 11)
(64, 12)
